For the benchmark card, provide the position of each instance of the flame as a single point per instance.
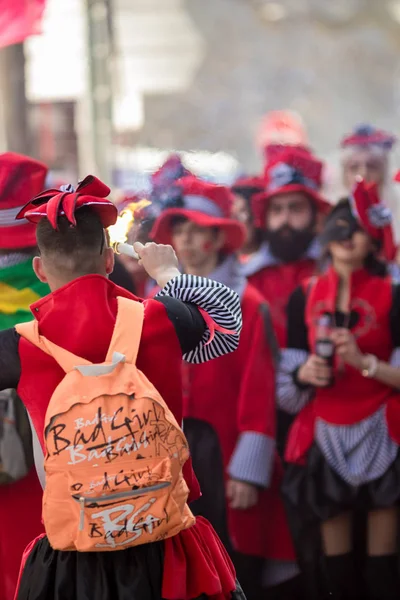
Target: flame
(119, 232)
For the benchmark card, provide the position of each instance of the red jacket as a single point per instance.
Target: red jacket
(235, 394)
(276, 282)
(92, 303)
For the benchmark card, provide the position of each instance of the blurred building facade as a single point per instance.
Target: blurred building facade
(200, 74)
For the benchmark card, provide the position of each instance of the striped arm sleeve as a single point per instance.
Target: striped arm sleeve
(220, 303)
(291, 398)
(395, 358)
(253, 459)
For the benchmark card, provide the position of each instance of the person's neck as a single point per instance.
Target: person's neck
(345, 270)
(250, 248)
(203, 270)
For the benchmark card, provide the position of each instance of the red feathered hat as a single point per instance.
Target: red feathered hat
(367, 135)
(21, 178)
(54, 203)
(207, 205)
(373, 216)
(291, 170)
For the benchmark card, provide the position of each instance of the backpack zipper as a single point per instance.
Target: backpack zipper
(119, 496)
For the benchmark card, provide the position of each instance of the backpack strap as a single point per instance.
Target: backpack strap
(66, 360)
(127, 331)
(124, 344)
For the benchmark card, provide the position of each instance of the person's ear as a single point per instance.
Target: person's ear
(109, 258)
(39, 269)
(220, 240)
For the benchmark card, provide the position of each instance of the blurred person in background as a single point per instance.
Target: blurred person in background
(244, 189)
(366, 153)
(162, 192)
(288, 212)
(280, 129)
(229, 404)
(340, 376)
(21, 178)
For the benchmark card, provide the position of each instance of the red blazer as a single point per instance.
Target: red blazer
(276, 283)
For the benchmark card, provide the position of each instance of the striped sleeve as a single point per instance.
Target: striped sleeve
(291, 398)
(395, 358)
(220, 303)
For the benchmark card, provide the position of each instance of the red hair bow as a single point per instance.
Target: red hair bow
(53, 203)
(374, 216)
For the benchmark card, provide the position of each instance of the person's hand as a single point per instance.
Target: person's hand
(315, 371)
(241, 495)
(159, 261)
(347, 348)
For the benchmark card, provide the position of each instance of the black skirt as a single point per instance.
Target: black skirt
(314, 492)
(317, 491)
(132, 574)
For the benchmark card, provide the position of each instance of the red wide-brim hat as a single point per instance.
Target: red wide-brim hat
(234, 231)
(260, 201)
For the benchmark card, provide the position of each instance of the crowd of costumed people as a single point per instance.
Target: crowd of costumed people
(216, 417)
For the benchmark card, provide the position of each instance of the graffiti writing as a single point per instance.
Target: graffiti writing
(124, 524)
(107, 437)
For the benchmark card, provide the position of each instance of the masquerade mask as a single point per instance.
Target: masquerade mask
(340, 226)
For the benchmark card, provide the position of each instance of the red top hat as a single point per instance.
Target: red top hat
(251, 185)
(292, 170)
(54, 203)
(21, 177)
(373, 216)
(207, 205)
(367, 135)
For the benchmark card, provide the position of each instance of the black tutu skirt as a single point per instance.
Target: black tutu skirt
(132, 574)
(314, 492)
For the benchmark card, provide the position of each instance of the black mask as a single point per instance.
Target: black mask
(289, 244)
(340, 226)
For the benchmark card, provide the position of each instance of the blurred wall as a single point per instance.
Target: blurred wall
(335, 62)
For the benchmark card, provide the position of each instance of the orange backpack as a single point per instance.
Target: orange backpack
(114, 451)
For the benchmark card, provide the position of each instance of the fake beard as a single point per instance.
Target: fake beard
(288, 244)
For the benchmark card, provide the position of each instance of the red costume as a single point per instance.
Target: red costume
(229, 406)
(194, 562)
(343, 447)
(245, 427)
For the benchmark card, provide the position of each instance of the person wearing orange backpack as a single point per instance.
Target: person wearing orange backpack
(21, 177)
(99, 372)
(229, 406)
